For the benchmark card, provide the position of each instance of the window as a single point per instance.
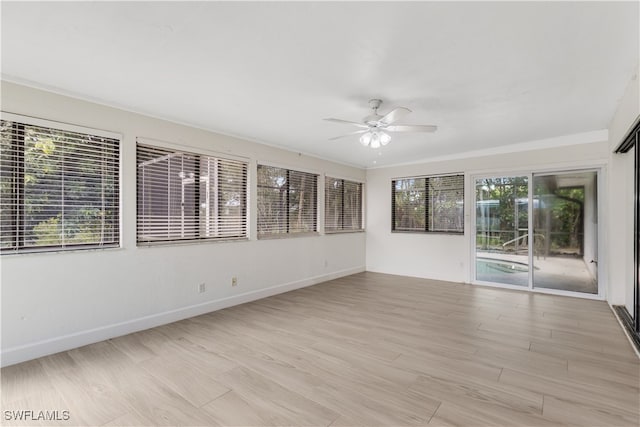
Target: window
(287, 201)
(59, 186)
(433, 204)
(343, 205)
(185, 196)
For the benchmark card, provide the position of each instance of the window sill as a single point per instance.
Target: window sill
(287, 235)
(58, 251)
(164, 243)
(452, 233)
(343, 231)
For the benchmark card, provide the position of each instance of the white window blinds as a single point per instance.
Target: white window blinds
(186, 196)
(445, 197)
(59, 189)
(433, 204)
(287, 201)
(343, 205)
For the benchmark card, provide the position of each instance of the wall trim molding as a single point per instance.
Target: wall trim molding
(18, 81)
(18, 354)
(595, 136)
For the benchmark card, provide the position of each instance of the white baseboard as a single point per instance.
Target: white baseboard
(13, 355)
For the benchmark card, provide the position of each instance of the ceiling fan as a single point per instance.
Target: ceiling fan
(375, 126)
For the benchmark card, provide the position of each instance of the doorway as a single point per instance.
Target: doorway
(538, 231)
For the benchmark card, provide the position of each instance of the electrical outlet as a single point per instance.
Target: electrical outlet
(202, 287)
(234, 281)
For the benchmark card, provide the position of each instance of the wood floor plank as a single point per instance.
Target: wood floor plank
(523, 360)
(477, 394)
(602, 341)
(129, 419)
(429, 364)
(232, 410)
(23, 380)
(459, 414)
(132, 347)
(148, 398)
(100, 403)
(599, 398)
(191, 383)
(58, 362)
(572, 353)
(364, 350)
(576, 411)
(285, 406)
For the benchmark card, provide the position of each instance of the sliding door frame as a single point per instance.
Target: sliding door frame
(636, 234)
(632, 321)
(601, 202)
(474, 229)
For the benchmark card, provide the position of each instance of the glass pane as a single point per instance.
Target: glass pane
(502, 247)
(188, 196)
(333, 205)
(565, 224)
(409, 204)
(58, 188)
(446, 203)
(272, 200)
(232, 184)
(352, 216)
(302, 202)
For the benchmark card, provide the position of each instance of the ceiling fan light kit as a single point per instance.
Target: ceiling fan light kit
(374, 126)
(375, 139)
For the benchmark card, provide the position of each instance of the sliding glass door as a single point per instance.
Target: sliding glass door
(630, 312)
(565, 232)
(502, 248)
(538, 231)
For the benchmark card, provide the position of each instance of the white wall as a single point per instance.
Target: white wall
(621, 190)
(55, 301)
(447, 257)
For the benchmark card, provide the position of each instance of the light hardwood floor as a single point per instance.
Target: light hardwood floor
(368, 349)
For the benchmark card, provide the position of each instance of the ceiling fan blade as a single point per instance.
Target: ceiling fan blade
(362, 125)
(349, 134)
(394, 115)
(412, 128)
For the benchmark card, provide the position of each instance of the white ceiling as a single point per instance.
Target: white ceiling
(488, 74)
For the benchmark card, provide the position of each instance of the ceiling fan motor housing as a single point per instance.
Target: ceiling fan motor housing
(375, 103)
(374, 118)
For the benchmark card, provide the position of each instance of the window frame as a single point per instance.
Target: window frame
(18, 208)
(201, 154)
(315, 215)
(427, 207)
(342, 228)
